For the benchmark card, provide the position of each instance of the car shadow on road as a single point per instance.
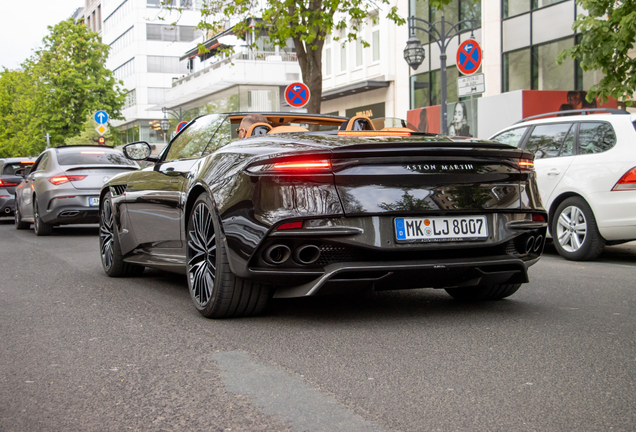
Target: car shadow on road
(91, 230)
(619, 254)
(6, 221)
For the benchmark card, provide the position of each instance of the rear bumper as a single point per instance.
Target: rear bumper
(7, 204)
(73, 210)
(384, 276)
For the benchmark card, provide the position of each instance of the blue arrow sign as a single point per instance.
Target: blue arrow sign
(101, 117)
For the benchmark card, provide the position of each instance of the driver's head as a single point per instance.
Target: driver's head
(248, 121)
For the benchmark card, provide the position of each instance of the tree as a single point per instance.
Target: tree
(58, 88)
(608, 34)
(306, 22)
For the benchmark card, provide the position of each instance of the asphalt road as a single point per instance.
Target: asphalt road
(83, 352)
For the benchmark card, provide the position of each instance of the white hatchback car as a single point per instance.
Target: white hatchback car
(586, 171)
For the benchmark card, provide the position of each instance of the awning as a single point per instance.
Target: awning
(359, 87)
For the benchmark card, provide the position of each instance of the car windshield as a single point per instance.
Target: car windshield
(93, 157)
(388, 123)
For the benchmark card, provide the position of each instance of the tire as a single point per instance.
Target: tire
(575, 233)
(109, 247)
(215, 291)
(483, 292)
(41, 228)
(19, 225)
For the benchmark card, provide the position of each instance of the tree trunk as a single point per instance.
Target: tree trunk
(310, 62)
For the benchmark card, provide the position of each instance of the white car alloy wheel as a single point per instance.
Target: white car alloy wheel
(571, 229)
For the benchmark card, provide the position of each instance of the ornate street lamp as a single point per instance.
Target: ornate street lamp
(442, 38)
(414, 54)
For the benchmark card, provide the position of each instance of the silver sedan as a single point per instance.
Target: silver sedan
(63, 186)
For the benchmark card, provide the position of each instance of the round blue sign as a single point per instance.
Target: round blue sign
(468, 57)
(101, 117)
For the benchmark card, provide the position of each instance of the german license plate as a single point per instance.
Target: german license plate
(436, 229)
(93, 201)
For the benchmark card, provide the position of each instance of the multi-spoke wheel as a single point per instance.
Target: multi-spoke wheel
(575, 233)
(41, 228)
(215, 290)
(18, 219)
(109, 248)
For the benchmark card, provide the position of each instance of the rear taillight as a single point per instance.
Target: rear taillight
(302, 165)
(526, 164)
(290, 225)
(538, 218)
(374, 133)
(627, 182)
(6, 183)
(61, 179)
(298, 166)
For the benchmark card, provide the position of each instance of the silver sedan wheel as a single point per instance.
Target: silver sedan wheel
(201, 254)
(571, 229)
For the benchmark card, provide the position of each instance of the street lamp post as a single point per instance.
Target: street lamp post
(414, 53)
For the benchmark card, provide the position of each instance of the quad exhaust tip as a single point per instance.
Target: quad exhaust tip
(276, 254)
(307, 254)
(529, 244)
(538, 243)
(7, 210)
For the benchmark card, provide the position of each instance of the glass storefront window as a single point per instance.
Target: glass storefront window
(420, 90)
(546, 74)
(451, 86)
(515, 7)
(516, 70)
(536, 4)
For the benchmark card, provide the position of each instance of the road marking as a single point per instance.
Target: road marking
(287, 396)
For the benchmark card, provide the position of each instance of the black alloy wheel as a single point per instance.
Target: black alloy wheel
(109, 247)
(41, 228)
(215, 291)
(19, 225)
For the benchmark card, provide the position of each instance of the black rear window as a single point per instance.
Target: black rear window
(92, 157)
(11, 168)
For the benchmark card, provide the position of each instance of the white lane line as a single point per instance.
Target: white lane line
(287, 396)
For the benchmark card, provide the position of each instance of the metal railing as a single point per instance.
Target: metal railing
(271, 56)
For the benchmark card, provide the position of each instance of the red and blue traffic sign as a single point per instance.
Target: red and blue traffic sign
(297, 95)
(181, 126)
(468, 57)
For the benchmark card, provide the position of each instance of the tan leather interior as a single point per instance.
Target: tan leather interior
(282, 129)
(398, 129)
(359, 120)
(255, 126)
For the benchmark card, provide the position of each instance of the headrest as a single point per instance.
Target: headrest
(258, 129)
(360, 123)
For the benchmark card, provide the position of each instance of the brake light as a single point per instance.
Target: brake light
(302, 165)
(27, 162)
(373, 133)
(61, 179)
(538, 218)
(6, 183)
(290, 225)
(627, 182)
(526, 164)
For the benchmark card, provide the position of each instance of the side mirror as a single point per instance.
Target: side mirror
(137, 151)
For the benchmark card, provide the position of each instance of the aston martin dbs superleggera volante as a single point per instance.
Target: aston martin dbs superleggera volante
(315, 204)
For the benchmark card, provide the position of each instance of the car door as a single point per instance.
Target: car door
(553, 147)
(155, 196)
(27, 189)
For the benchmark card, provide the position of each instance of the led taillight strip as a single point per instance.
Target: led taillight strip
(302, 165)
(373, 133)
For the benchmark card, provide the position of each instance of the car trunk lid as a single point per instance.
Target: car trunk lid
(93, 176)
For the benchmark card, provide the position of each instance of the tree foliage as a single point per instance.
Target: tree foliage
(306, 22)
(608, 35)
(56, 90)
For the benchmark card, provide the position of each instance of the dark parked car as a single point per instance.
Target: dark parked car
(11, 174)
(311, 204)
(63, 185)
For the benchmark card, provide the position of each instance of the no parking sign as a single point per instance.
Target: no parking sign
(297, 95)
(468, 57)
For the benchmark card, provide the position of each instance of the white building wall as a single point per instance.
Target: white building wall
(499, 111)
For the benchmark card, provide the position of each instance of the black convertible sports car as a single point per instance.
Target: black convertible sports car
(315, 204)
